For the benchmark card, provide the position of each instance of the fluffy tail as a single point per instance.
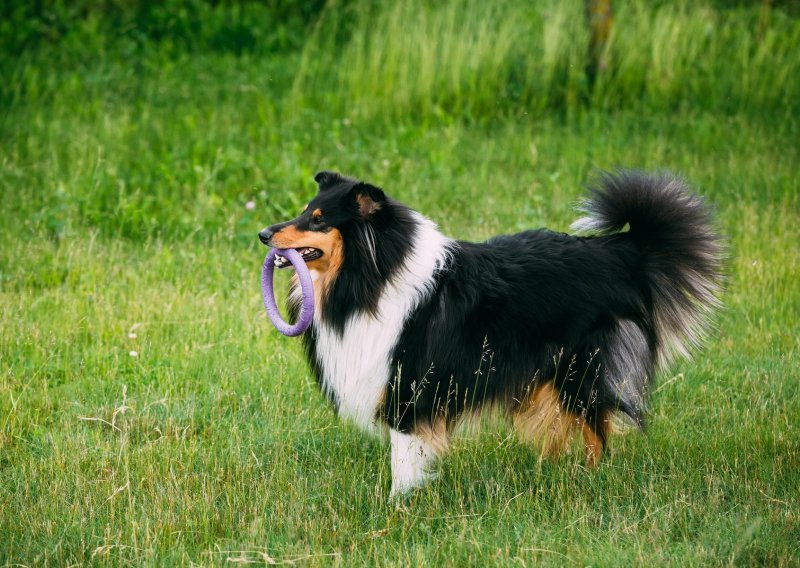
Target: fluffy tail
(682, 254)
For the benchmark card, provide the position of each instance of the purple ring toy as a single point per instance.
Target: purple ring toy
(268, 294)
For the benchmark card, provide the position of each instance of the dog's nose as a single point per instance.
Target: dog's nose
(265, 236)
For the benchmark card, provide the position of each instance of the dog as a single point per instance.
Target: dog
(414, 331)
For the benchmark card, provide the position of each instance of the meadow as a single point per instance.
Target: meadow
(151, 415)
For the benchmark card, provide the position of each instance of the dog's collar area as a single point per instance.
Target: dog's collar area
(308, 254)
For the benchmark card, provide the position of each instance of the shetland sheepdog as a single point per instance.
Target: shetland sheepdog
(413, 330)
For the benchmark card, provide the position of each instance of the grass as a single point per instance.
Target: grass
(124, 184)
(493, 59)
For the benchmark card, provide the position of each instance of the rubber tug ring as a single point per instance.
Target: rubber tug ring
(306, 287)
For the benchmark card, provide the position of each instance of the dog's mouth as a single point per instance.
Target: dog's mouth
(308, 254)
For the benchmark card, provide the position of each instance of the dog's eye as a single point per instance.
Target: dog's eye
(316, 217)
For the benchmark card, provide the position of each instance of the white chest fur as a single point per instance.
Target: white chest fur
(356, 365)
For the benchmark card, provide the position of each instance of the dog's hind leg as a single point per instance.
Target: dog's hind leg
(542, 420)
(595, 433)
(413, 454)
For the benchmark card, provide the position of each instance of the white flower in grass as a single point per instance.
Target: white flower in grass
(250, 205)
(131, 335)
(133, 353)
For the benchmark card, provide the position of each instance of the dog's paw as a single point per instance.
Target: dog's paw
(402, 490)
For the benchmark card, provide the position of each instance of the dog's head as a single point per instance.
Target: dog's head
(343, 207)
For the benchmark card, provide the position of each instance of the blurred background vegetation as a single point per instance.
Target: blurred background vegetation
(458, 58)
(133, 79)
(149, 414)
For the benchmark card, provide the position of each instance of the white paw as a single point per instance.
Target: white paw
(402, 487)
(411, 461)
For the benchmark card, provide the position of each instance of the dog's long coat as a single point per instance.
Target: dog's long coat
(413, 330)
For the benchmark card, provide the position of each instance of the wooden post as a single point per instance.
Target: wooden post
(600, 19)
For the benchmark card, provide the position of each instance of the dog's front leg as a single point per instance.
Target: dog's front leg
(412, 457)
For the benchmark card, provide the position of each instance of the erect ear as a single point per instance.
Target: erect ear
(326, 179)
(368, 198)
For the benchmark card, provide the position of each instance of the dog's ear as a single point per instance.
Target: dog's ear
(327, 179)
(369, 199)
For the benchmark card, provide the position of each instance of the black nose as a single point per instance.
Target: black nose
(265, 236)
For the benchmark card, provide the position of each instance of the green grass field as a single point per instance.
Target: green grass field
(150, 414)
